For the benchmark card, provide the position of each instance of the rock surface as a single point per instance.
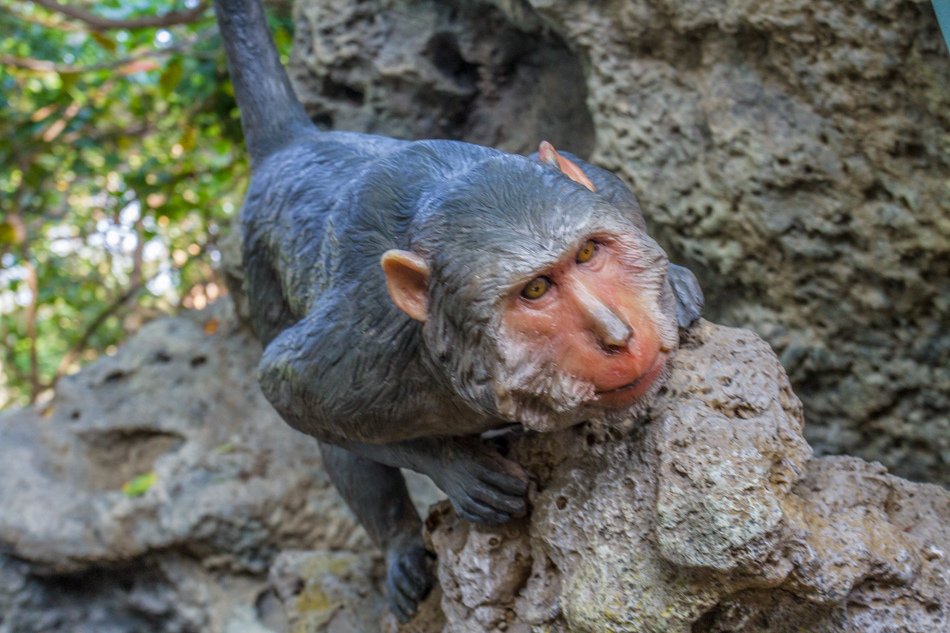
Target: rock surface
(711, 517)
(161, 493)
(796, 155)
(216, 485)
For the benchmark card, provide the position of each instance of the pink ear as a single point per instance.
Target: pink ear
(407, 277)
(547, 154)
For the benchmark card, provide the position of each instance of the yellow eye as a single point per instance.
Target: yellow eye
(586, 252)
(536, 288)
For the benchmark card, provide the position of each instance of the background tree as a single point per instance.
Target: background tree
(120, 163)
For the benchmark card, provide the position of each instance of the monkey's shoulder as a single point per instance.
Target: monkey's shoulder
(341, 199)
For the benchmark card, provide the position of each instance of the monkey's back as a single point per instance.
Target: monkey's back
(320, 213)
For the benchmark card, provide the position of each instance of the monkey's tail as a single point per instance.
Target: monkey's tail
(271, 115)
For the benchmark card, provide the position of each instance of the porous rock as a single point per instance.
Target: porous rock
(710, 515)
(796, 155)
(160, 492)
(156, 490)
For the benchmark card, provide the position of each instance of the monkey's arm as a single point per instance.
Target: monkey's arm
(334, 384)
(483, 486)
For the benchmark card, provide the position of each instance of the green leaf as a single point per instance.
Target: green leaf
(113, 149)
(171, 76)
(138, 486)
(104, 41)
(8, 234)
(189, 138)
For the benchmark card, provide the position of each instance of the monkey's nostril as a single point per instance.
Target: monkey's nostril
(609, 327)
(616, 339)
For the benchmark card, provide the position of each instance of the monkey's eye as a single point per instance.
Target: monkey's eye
(586, 251)
(536, 288)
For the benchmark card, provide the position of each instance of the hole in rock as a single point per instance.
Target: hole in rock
(443, 51)
(118, 455)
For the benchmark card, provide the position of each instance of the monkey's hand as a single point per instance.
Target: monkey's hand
(689, 296)
(483, 486)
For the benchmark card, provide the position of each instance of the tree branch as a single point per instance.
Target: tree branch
(70, 357)
(127, 65)
(57, 23)
(98, 23)
(32, 282)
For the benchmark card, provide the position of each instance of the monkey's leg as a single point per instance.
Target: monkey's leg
(689, 296)
(377, 495)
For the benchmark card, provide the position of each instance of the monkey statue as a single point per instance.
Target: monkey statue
(411, 296)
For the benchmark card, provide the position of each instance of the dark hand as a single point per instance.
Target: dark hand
(483, 486)
(689, 296)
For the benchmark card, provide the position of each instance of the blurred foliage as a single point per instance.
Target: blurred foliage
(121, 160)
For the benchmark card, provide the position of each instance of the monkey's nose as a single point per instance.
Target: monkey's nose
(611, 330)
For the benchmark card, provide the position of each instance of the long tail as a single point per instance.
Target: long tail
(271, 115)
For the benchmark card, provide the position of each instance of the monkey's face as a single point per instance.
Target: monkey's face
(586, 317)
(588, 337)
(542, 302)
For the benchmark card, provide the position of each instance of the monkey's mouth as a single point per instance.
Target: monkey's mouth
(625, 394)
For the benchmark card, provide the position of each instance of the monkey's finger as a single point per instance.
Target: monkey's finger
(510, 484)
(403, 607)
(415, 581)
(688, 295)
(408, 589)
(496, 499)
(410, 584)
(478, 512)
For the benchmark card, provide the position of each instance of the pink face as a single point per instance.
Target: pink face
(586, 317)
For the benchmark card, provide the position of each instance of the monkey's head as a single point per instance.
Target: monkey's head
(542, 301)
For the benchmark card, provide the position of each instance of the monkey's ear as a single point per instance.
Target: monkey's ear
(407, 279)
(547, 154)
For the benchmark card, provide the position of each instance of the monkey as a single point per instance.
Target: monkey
(412, 295)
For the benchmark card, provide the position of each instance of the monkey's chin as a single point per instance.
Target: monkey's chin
(625, 395)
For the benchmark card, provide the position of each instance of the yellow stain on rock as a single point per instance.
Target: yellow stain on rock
(314, 599)
(315, 609)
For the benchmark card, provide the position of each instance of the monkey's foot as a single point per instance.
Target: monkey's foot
(408, 577)
(483, 486)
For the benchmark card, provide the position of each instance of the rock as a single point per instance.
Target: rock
(339, 592)
(435, 69)
(160, 492)
(710, 516)
(795, 155)
(327, 592)
(216, 485)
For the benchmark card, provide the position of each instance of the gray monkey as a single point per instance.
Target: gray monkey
(413, 295)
